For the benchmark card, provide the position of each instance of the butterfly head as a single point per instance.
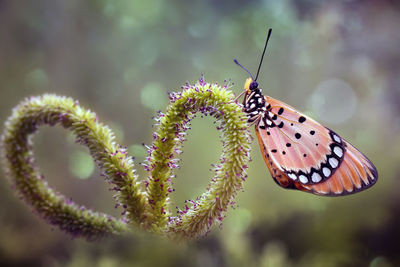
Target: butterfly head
(250, 85)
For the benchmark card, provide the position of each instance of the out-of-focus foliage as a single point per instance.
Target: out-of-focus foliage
(338, 61)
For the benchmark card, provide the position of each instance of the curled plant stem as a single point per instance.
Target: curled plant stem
(30, 184)
(198, 216)
(149, 209)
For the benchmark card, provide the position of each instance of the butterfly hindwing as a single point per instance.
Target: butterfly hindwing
(302, 154)
(355, 174)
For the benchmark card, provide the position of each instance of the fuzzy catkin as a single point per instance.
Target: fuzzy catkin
(148, 209)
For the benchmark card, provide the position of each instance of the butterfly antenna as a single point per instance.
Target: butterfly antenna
(263, 53)
(237, 62)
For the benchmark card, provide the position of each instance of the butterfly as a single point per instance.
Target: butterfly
(299, 152)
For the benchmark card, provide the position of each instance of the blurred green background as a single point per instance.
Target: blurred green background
(337, 61)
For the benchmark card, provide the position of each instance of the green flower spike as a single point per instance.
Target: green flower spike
(149, 209)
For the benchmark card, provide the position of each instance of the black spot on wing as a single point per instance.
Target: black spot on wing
(302, 119)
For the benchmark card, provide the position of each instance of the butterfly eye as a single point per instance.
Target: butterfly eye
(253, 85)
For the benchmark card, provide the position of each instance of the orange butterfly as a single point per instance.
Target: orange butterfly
(299, 152)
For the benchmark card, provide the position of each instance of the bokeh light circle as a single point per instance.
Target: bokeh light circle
(334, 101)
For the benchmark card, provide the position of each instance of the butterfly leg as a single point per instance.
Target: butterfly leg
(233, 100)
(237, 97)
(256, 120)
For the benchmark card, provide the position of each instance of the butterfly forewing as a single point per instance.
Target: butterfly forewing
(302, 154)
